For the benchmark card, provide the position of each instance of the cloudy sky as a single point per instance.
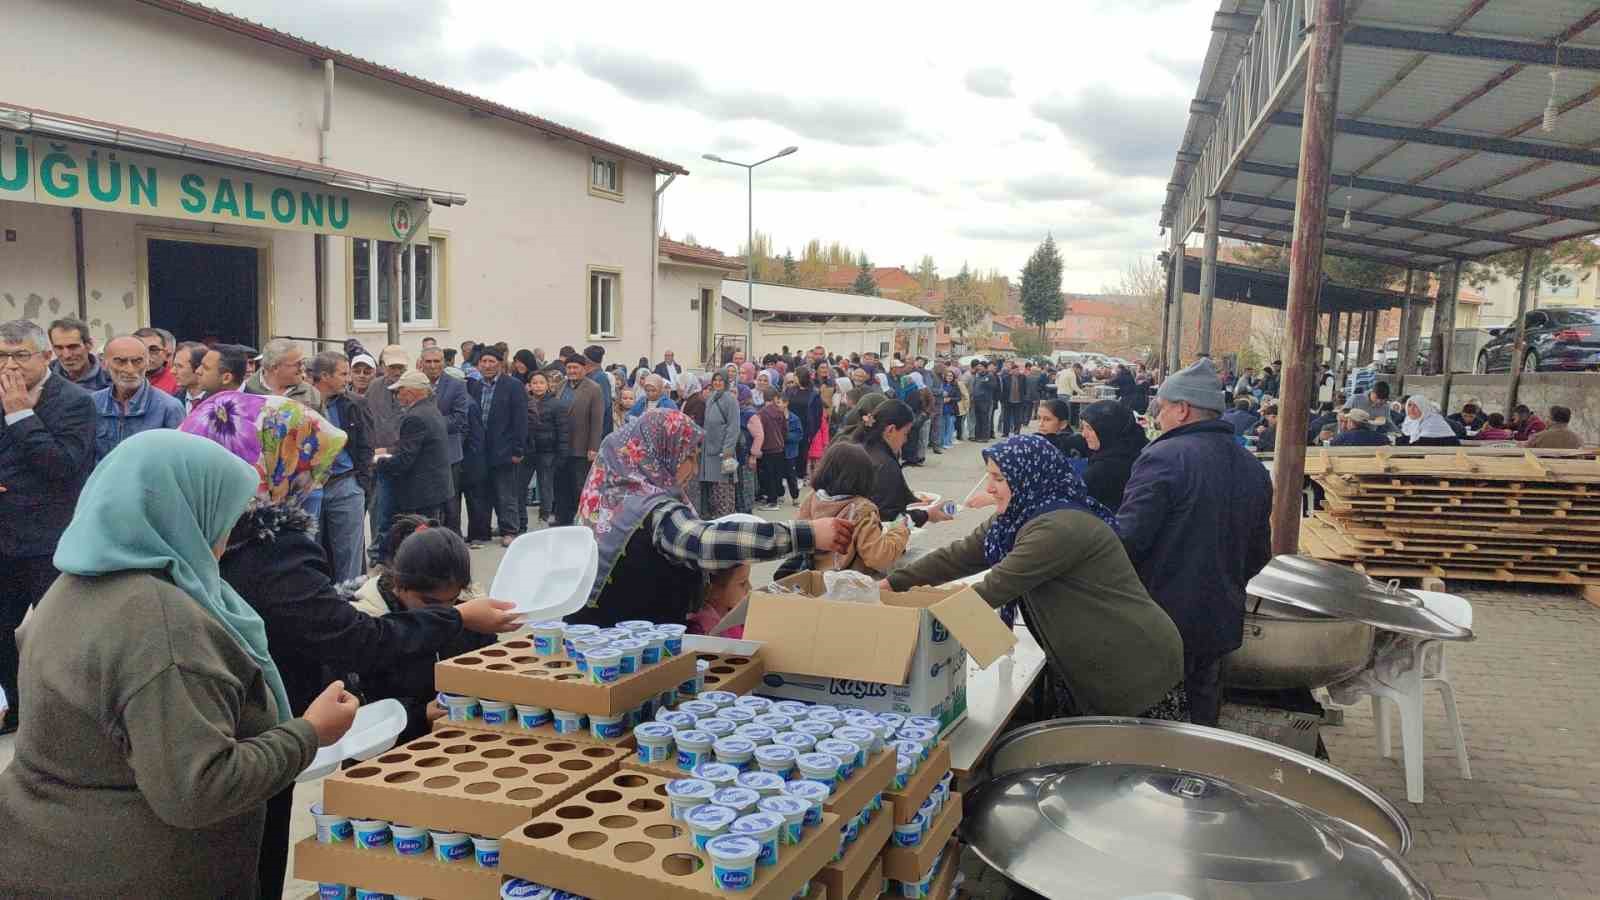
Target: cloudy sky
(966, 131)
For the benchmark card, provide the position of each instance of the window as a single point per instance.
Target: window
(605, 178)
(605, 304)
(372, 281)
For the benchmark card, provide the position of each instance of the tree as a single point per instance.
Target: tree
(964, 305)
(1357, 273)
(928, 273)
(1029, 344)
(865, 284)
(791, 272)
(1550, 266)
(1041, 286)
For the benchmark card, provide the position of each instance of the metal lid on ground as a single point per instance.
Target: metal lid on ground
(1334, 590)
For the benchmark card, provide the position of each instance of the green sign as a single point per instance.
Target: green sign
(37, 169)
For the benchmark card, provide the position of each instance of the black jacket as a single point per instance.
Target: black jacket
(357, 424)
(547, 427)
(44, 460)
(410, 679)
(1194, 519)
(1022, 389)
(1359, 437)
(505, 425)
(985, 388)
(890, 491)
(316, 635)
(419, 467)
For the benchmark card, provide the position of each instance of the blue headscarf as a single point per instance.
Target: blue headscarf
(158, 503)
(1041, 481)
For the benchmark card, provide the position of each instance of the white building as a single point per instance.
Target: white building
(801, 318)
(165, 164)
(688, 288)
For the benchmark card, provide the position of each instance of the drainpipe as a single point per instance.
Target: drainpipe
(655, 255)
(322, 244)
(77, 258)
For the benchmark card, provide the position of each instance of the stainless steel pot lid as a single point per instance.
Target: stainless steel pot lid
(1334, 590)
(1092, 830)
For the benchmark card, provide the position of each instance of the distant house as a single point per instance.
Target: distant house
(688, 291)
(893, 281)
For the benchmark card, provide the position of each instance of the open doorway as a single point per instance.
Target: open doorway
(708, 300)
(201, 291)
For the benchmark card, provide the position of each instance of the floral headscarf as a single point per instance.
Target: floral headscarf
(289, 444)
(746, 397)
(635, 471)
(1041, 481)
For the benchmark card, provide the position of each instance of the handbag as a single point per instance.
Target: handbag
(729, 465)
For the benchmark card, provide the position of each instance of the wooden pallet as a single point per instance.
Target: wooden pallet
(1573, 467)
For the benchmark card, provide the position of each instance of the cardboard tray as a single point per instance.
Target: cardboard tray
(387, 871)
(842, 877)
(871, 884)
(510, 671)
(543, 733)
(476, 782)
(847, 799)
(944, 886)
(738, 673)
(618, 840)
(908, 863)
(907, 802)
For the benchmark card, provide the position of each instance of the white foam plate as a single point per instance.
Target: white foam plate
(374, 730)
(925, 500)
(548, 573)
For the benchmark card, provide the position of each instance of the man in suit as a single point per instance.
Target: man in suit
(46, 452)
(669, 370)
(418, 464)
(504, 403)
(451, 396)
(585, 421)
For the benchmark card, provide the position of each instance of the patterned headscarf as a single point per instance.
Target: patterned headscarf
(746, 397)
(1041, 481)
(636, 471)
(289, 444)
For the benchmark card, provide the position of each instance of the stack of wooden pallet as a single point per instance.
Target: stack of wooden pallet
(1456, 513)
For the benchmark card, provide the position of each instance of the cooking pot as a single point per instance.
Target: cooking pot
(1285, 647)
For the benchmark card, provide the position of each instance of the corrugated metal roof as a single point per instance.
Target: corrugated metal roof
(779, 298)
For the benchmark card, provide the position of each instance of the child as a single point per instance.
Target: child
(1496, 429)
(843, 483)
(791, 448)
(726, 589)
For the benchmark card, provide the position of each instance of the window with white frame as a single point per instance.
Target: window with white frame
(605, 304)
(605, 175)
(372, 281)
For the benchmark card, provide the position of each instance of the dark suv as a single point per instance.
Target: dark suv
(1559, 340)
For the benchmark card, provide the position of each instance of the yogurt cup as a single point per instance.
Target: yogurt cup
(371, 834)
(798, 741)
(735, 751)
(654, 741)
(717, 726)
(910, 834)
(776, 759)
(409, 840)
(567, 722)
(757, 705)
(533, 716)
(632, 651)
(459, 708)
(756, 734)
(930, 808)
(740, 800)
(720, 774)
(720, 699)
(605, 664)
(707, 821)
(694, 748)
(819, 767)
(793, 809)
(904, 765)
(496, 712)
(582, 647)
(861, 737)
(680, 721)
(364, 894)
(891, 719)
(636, 625)
(733, 861)
(910, 748)
(608, 728)
(879, 728)
(486, 851)
(654, 643)
(331, 829)
(826, 714)
(518, 889)
(574, 633)
(764, 827)
(819, 707)
(687, 793)
(764, 783)
(816, 729)
(848, 753)
(333, 891)
(736, 715)
(672, 637)
(547, 637)
(928, 722)
(700, 709)
(775, 721)
(451, 846)
(794, 709)
(613, 634)
(644, 712)
(813, 792)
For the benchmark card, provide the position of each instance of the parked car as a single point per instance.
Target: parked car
(1558, 340)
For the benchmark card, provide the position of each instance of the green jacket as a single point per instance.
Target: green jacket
(1115, 648)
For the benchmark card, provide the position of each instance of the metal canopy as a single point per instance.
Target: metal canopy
(1270, 288)
(1440, 152)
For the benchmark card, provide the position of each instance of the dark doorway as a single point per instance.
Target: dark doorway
(203, 290)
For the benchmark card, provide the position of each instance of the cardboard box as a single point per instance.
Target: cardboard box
(907, 802)
(944, 884)
(511, 671)
(389, 872)
(908, 863)
(871, 884)
(543, 733)
(847, 799)
(617, 840)
(842, 877)
(906, 654)
(476, 782)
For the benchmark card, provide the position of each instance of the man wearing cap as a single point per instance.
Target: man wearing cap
(384, 408)
(451, 396)
(417, 466)
(1195, 522)
(362, 368)
(1355, 430)
(503, 404)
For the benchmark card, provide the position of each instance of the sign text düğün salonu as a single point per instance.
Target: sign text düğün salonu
(63, 173)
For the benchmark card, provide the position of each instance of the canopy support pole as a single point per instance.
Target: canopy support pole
(1524, 292)
(1208, 271)
(1175, 361)
(1404, 349)
(1449, 336)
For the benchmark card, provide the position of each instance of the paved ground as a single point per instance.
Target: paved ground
(1526, 826)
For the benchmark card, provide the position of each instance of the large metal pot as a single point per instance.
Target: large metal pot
(1286, 647)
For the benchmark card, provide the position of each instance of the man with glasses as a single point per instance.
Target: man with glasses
(46, 452)
(282, 372)
(74, 355)
(132, 403)
(158, 345)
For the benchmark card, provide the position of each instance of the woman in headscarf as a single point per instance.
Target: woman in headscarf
(747, 374)
(158, 725)
(1127, 387)
(691, 398)
(1424, 426)
(747, 450)
(1114, 439)
(915, 395)
(859, 420)
(273, 560)
(721, 439)
(1111, 649)
(655, 551)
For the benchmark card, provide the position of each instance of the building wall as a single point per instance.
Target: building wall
(1539, 391)
(677, 322)
(518, 253)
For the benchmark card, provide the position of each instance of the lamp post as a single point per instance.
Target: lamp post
(749, 243)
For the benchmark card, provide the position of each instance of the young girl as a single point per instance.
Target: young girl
(842, 485)
(725, 590)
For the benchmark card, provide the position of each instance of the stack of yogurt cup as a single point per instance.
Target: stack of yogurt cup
(742, 820)
(921, 888)
(406, 840)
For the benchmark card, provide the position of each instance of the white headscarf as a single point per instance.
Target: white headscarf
(1431, 425)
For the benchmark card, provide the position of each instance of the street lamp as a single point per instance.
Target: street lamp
(749, 244)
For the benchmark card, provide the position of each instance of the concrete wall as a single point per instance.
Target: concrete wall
(677, 321)
(1579, 392)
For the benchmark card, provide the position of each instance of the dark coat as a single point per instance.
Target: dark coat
(356, 421)
(451, 395)
(473, 466)
(419, 465)
(985, 388)
(44, 460)
(505, 423)
(410, 680)
(1242, 420)
(547, 426)
(1194, 519)
(890, 493)
(1359, 437)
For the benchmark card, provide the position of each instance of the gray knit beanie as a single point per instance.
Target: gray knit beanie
(1197, 386)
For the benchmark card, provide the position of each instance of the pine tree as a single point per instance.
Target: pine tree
(865, 284)
(964, 305)
(1042, 302)
(791, 272)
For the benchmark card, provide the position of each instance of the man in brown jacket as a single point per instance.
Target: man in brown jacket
(585, 407)
(1559, 436)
